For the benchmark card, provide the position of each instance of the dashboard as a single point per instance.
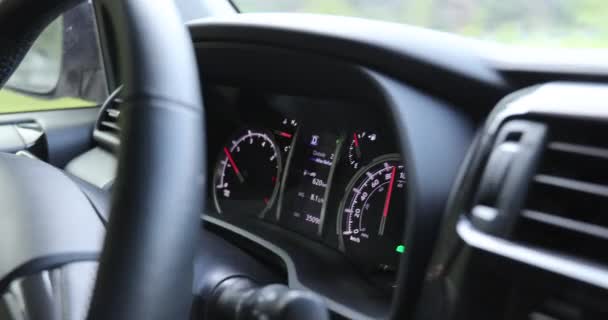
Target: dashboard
(337, 164)
(363, 162)
(327, 173)
(337, 152)
(285, 161)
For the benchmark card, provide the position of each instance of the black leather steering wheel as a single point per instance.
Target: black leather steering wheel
(46, 224)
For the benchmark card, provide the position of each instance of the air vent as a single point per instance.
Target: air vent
(107, 127)
(509, 167)
(108, 120)
(566, 210)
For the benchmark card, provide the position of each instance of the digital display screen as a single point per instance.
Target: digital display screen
(307, 183)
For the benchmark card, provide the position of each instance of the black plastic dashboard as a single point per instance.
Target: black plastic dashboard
(399, 173)
(344, 160)
(311, 86)
(257, 84)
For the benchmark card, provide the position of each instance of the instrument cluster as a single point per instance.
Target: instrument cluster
(302, 165)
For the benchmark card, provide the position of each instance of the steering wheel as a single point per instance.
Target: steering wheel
(50, 235)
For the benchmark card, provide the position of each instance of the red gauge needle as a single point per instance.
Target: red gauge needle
(284, 134)
(233, 164)
(387, 202)
(357, 148)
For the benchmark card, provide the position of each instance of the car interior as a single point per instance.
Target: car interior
(190, 160)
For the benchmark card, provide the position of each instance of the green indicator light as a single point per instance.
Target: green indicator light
(400, 248)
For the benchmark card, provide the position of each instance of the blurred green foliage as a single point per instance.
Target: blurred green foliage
(536, 23)
(11, 102)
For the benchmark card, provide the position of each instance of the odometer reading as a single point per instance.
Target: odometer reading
(308, 181)
(372, 215)
(247, 174)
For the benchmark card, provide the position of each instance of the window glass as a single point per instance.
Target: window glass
(63, 69)
(532, 23)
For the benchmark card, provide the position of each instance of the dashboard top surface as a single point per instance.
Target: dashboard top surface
(408, 38)
(450, 52)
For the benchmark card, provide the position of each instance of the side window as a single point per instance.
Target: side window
(63, 69)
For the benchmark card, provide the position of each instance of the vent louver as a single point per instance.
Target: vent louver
(566, 210)
(107, 127)
(108, 120)
(109, 115)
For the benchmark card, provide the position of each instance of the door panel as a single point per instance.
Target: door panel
(49, 105)
(68, 132)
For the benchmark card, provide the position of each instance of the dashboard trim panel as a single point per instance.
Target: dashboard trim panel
(292, 272)
(566, 266)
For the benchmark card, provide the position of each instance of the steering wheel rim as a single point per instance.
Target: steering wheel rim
(145, 269)
(146, 265)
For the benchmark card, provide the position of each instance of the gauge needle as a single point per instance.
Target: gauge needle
(233, 164)
(357, 148)
(387, 202)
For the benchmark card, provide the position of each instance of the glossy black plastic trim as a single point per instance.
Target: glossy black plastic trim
(463, 252)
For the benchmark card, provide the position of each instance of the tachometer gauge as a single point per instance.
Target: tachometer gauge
(247, 174)
(371, 217)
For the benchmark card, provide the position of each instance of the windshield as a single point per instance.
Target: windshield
(535, 23)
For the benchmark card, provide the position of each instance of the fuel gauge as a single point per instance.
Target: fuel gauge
(361, 148)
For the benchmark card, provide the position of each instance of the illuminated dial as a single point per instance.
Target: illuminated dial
(371, 220)
(247, 174)
(360, 147)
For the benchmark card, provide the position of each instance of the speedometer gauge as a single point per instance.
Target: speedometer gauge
(247, 174)
(372, 216)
